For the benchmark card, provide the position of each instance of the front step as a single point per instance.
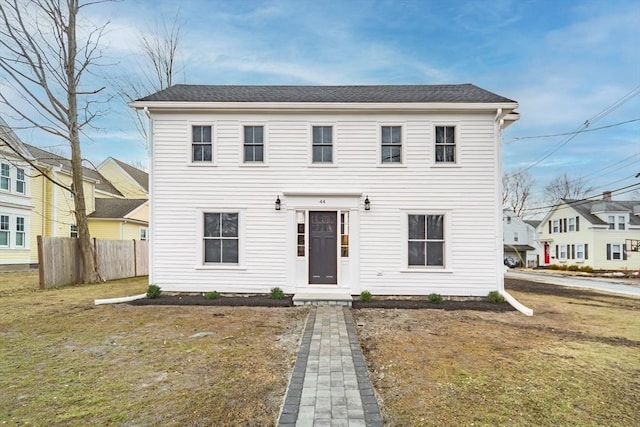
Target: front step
(322, 299)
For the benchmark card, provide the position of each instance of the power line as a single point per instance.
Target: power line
(520, 138)
(586, 124)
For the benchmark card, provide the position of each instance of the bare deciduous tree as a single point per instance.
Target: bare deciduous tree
(563, 187)
(46, 63)
(157, 68)
(516, 191)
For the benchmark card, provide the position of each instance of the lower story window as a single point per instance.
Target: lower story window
(20, 232)
(300, 215)
(4, 230)
(221, 238)
(344, 234)
(143, 234)
(426, 241)
(563, 252)
(614, 252)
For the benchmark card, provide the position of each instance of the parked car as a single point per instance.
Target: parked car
(510, 262)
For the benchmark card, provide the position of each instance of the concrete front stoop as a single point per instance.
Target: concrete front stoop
(317, 299)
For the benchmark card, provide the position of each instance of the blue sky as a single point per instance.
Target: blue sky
(564, 61)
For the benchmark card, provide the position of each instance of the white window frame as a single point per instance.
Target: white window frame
(555, 228)
(515, 236)
(622, 222)
(456, 144)
(21, 232)
(403, 145)
(571, 224)
(611, 220)
(214, 144)
(580, 252)
(143, 233)
(73, 230)
(22, 181)
(5, 227)
(614, 252)
(5, 176)
(199, 227)
(334, 145)
(447, 238)
(562, 252)
(265, 154)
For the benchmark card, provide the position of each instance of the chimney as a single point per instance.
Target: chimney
(606, 196)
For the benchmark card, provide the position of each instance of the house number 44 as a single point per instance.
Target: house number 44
(322, 201)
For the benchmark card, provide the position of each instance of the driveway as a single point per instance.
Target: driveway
(605, 284)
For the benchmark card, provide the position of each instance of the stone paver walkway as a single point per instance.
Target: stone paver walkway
(330, 383)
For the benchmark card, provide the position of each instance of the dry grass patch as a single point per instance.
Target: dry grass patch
(66, 361)
(574, 363)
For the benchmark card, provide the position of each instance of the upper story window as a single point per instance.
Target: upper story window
(571, 224)
(612, 222)
(322, 144)
(202, 143)
(21, 184)
(445, 144)
(556, 225)
(622, 221)
(221, 238)
(426, 241)
(508, 220)
(253, 144)
(73, 230)
(391, 144)
(5, 181)
(617, 222)
(515, 236)
(4, 231)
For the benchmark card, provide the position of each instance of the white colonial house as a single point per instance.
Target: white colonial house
(327, 189)
(520, 239)
(602, 234)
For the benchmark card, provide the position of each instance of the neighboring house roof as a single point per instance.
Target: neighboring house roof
(534, 223)
(139, 176)
(586, 207)
(519, 248)
(54, 160)
(7, 134)
(457, 93)
(115, 208)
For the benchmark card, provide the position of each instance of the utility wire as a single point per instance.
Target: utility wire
(520, 138)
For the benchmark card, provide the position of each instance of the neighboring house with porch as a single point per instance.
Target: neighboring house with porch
(520, 239)
(602, 234)
(325, 190)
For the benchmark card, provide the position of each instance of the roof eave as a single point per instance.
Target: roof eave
(322, 106)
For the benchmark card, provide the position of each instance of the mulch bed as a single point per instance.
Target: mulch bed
(265, 301)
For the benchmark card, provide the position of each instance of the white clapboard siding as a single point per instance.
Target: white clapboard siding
(466, 192)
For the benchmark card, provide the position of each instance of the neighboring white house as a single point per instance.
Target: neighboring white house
(15, 201)
(602, 234)
(327, 189)
(520, 239)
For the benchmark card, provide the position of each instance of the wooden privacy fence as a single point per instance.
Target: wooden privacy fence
(60, 262)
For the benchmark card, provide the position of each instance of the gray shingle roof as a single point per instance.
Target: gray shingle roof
(54, 160)
(458, 93)
(584, 207)
(115, 208)
(140, 176)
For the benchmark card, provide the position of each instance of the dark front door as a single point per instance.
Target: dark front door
(323, 253)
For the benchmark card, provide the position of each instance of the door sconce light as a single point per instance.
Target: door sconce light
(278, 203)
(367, 204)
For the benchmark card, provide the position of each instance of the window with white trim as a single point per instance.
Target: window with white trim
(580, 251)
(344, 234)
(143, 234)
(221, 239)
(254, 144)
(391, 144)
(5, 180)
(426, 241)
(73, 230)
(300, 220)
(201, 143)
(4, 231)
(556, 225)
(563, 252)
(445, 144)
(616, 252)
(21, 184)
(571, 224)
(20, 233)
(612, 222)
(515, 236)
(322, 144)
(622, 222)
